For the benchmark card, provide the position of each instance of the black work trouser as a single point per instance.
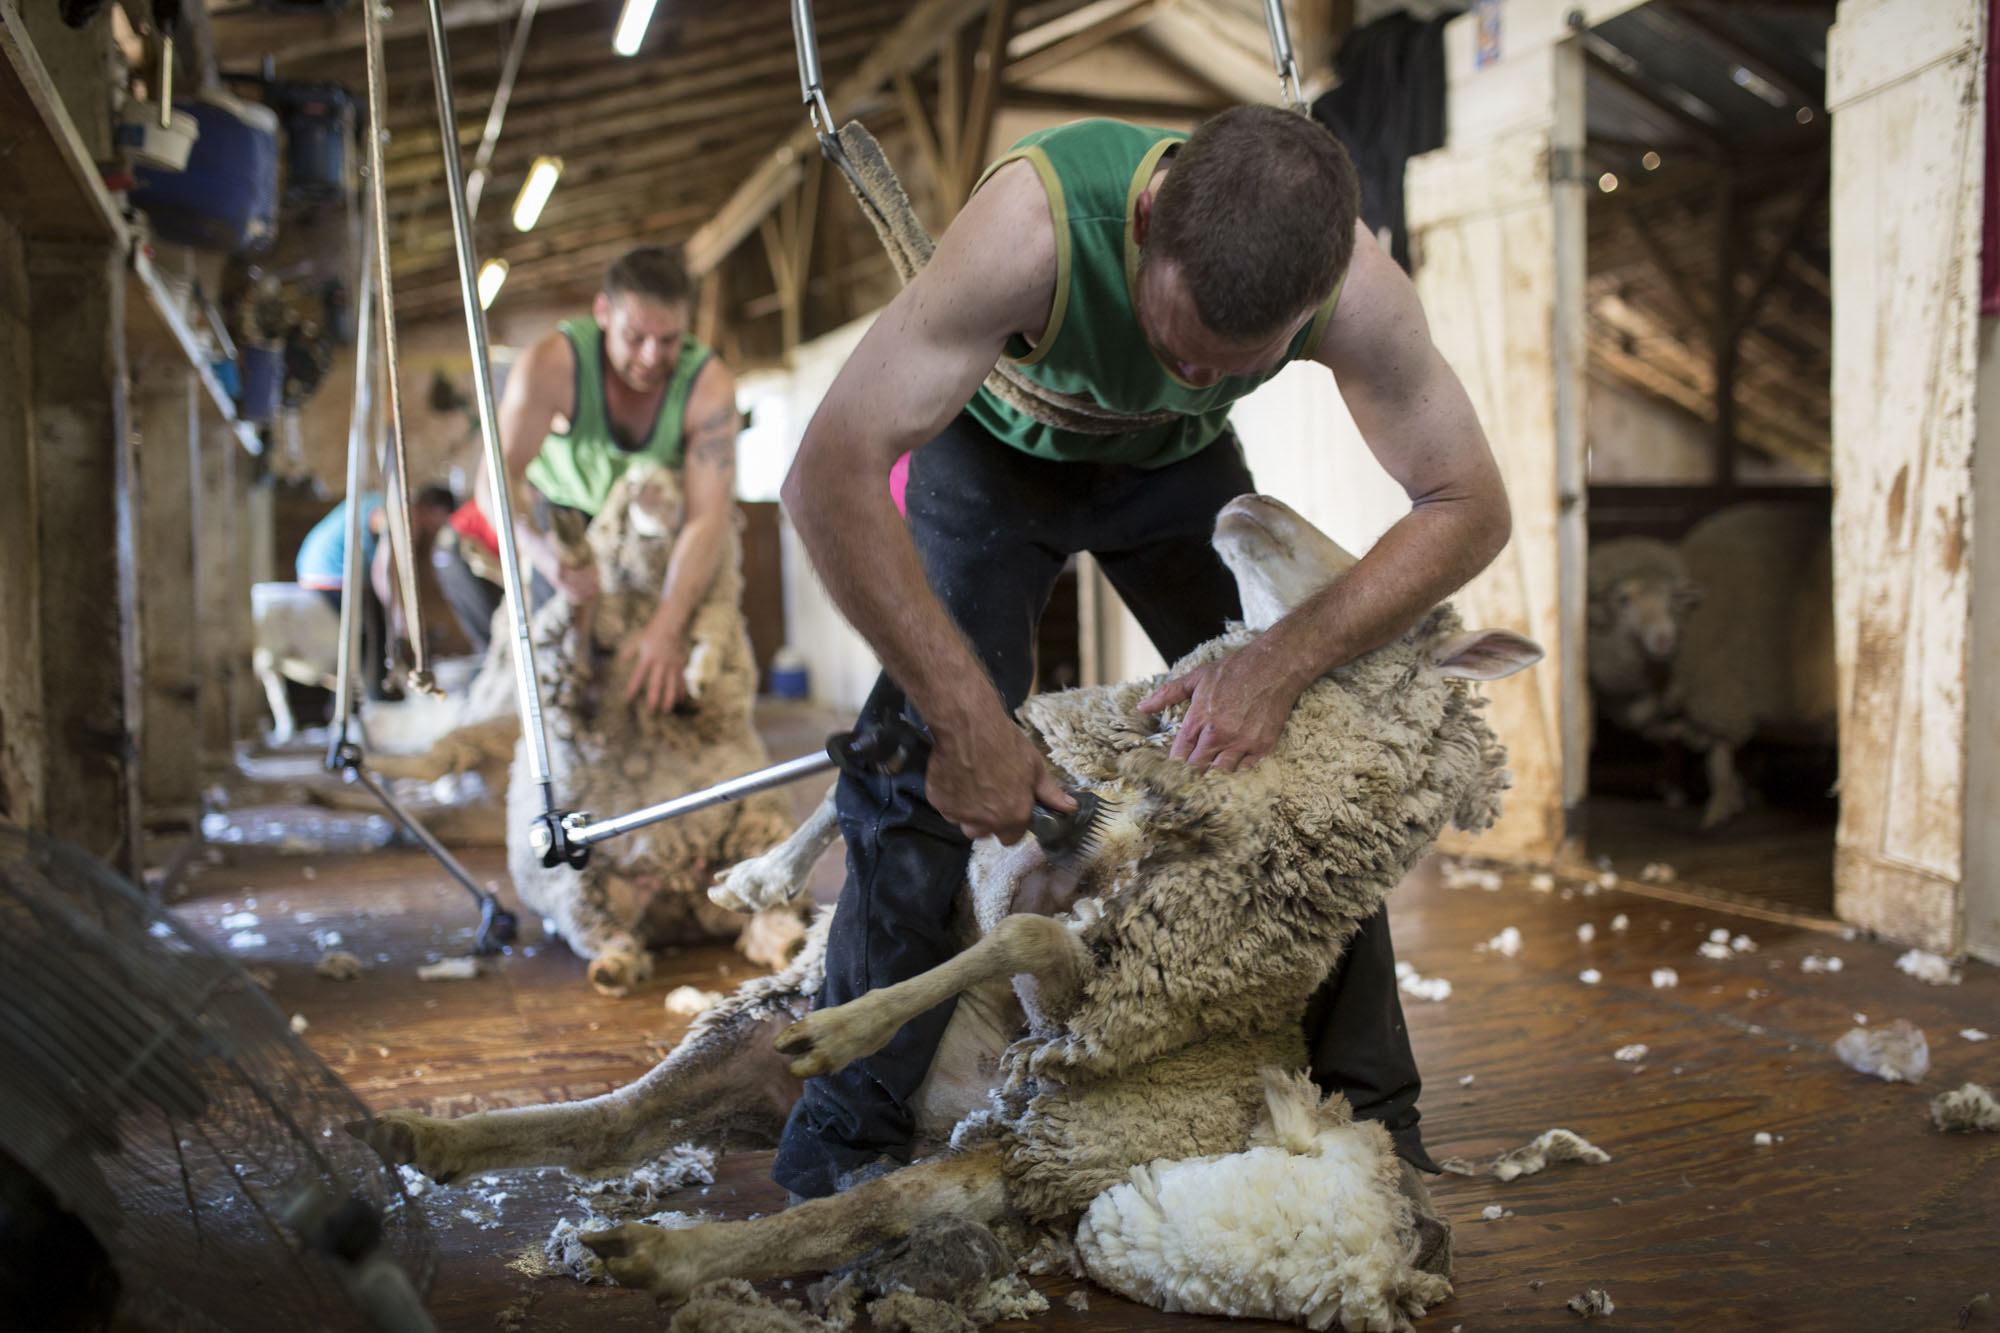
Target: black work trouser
(472, 598)
(993, 527)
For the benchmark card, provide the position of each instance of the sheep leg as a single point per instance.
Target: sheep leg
(1725, 786)
(578, 904)
(725, 1082)
(283, 727)
(828, 1040)
(814, 1236)
(778, 875)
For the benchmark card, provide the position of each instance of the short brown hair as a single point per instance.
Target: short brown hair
(651, 271)
(1258, 211)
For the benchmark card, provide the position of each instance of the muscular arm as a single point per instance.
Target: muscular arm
(1420, 425)
(993, 275)
(541, 385)
(709, 487)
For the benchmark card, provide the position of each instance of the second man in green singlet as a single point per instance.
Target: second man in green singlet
(586, 400)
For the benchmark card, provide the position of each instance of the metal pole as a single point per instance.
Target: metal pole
(1281, 54)
(402, 540)
(357, 433)
(489, 424)
(734, 790)
(482, 157)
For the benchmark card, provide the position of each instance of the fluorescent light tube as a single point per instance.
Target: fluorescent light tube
(535, 191)
(632, 21)
(491, 274)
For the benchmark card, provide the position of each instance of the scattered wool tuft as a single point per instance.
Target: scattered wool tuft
(247, 939)
(1458, 875)
(1762, 1138)
(691, 1000)
(1897, 1053)
(1812, 962)
(1466, 1080)
(1590, 976)
(732, 1305)
(1507, 943)
(1542, 882)
(1636, 1051)
(1493, 1212)
(1458, 1166)
(1971, 1034)
(1078, 1299)
(239, 921)
(338, 966)
(635, 1192)
(1555, 1145)
(298, 1023)
(1620, 924)
(1966, 1110)
(1596, 1301)
(1586, 932)
(1929, 968)
(1720, 935)
(1665, 978)
(1657, 872)
(1743, 944)
(1606, 880)
(449, 969)
(1710, 949)
(1423, 988)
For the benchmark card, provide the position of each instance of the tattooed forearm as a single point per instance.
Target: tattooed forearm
(712, 442)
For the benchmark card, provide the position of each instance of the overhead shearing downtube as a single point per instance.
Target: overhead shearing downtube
(402, 541)
(350, 556)
(812, 90)
(529, 695)
(1281, 55)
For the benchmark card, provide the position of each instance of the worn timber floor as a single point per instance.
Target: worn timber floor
(1859, 1216)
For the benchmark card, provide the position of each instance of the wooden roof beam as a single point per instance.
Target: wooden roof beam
(912, 41)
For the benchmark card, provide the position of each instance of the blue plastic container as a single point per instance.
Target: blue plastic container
(263, 371)
(319, 125)
(227, 199)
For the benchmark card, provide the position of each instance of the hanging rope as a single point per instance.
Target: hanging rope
(402, 540)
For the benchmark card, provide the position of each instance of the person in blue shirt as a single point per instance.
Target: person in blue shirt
(320, 566)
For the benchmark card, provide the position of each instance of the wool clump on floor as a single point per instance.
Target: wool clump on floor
(1966, 1110)
(1555, 1145)
(1897, 1053)
(1929, 968)
(1303, 1226)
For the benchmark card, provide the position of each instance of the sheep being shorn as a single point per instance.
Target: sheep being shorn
(1137, 1025)
(648, 888)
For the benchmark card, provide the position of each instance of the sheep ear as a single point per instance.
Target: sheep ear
(1485, 654)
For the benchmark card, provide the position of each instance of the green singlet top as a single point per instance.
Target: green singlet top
(579, 468)
(1094, 172)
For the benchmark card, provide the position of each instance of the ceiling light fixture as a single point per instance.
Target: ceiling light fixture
(491, 274)
(632, 21)
(535, 191)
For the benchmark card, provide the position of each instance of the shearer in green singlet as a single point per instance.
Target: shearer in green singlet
(582, 403)
(1153, 272)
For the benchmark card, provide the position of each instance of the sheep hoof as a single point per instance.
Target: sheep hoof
(410, 1138)
(616, 971)
(819, 1044)
(638, 1255)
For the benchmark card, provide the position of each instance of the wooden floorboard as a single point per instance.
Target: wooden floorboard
(1861, 1217)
